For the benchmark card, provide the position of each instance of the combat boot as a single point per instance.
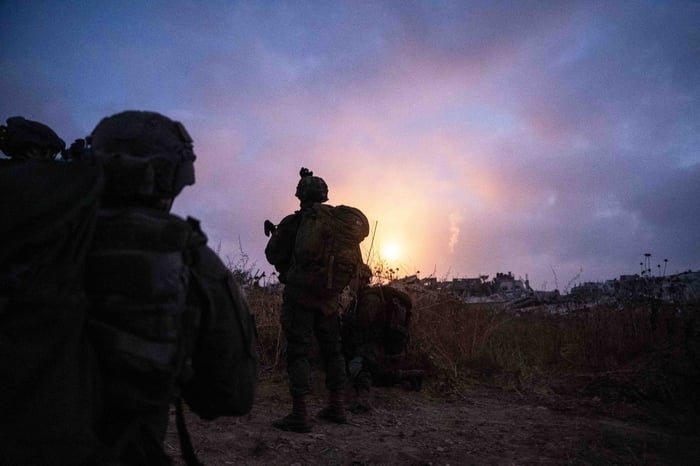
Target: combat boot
(335, 411)
(363, 403)
(414, 378)
(298, 419)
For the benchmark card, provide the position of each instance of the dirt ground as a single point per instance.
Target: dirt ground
(478, 425)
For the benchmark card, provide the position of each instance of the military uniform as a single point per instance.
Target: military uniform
(307, 311)
(363, 331)
(49, 386)
(302, 317)
(163, 313)
(162, 319)
(374, 357)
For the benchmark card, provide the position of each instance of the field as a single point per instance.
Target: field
(614, 384)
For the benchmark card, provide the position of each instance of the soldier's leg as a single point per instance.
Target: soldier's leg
(327, 330)
(362, 384)
(297, 324)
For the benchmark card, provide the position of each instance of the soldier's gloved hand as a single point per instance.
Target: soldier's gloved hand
(269, 227)
(354, 367)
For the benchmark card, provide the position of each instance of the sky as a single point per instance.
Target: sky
(559, 141)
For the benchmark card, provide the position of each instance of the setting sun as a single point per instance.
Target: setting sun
(391, 251)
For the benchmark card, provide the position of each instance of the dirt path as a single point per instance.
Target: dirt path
(480, 426)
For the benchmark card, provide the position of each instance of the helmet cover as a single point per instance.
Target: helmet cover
(21, 136)
(149, 135)
(311, 188)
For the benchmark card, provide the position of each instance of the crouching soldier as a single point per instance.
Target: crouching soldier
(375, 335)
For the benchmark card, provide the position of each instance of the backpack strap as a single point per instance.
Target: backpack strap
(188, 453)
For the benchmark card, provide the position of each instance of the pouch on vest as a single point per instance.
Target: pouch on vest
(137, 282)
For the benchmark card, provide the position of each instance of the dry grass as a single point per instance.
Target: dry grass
(266, 304)
(461, 343)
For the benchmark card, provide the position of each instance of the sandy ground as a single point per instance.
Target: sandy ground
(478, 425)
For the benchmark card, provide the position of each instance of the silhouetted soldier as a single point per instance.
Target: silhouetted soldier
(375, 334)
(166, 314)
(49, 387)
(316, 251)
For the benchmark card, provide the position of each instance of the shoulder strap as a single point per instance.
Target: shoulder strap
(188, 453)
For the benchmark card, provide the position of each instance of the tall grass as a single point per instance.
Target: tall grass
(459, 343)
(266, 302)
(645, 340)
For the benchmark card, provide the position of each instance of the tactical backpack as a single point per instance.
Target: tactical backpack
(326, 254)
(49, 383)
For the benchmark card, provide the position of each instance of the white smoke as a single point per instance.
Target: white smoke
(455, 221)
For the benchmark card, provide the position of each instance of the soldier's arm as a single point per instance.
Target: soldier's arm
(278, 251)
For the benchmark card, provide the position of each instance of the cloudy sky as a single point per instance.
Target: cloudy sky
(549, 139)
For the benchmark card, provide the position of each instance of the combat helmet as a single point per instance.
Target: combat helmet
(311, 188)
(151, 146)
(27, 139)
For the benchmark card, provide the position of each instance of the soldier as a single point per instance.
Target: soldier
(165, 313)
(375, 334)
(49, 387)
(24, 139)
(315, 263)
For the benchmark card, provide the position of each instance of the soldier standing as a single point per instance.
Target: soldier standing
(306, 250)
(49, 396)
(166, 317)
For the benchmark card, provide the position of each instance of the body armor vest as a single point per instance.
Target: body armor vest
(137, 280)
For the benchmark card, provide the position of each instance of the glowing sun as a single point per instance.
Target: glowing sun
(391, 251)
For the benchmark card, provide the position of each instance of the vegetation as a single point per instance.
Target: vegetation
(649, 347)
(645, 350)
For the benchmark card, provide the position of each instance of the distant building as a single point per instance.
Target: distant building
(467, 287)
(510, 286)
(517, 293)
(430, 283)
(588, 291)
(683, 287)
